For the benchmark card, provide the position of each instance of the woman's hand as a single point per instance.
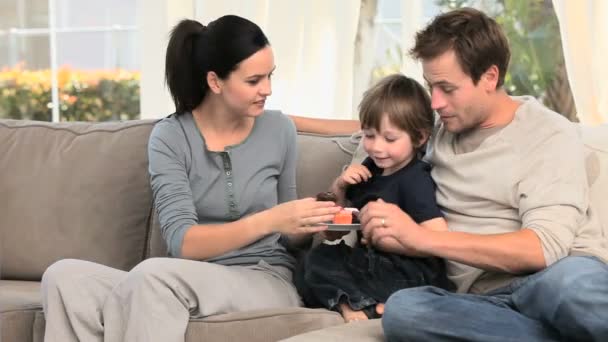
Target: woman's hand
(354, 174)
(302, 216)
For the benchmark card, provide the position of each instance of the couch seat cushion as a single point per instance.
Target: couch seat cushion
(361, 331)
(250, 326)
(19, 302)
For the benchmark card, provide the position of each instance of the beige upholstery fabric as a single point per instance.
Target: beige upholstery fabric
(361, 331)
(19, 301)
(253, 326)
(261, 326)
(72, 190)
(320, 161)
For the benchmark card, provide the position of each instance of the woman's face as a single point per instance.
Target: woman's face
(246, 88)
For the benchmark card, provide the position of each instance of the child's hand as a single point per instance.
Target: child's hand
(354, 174)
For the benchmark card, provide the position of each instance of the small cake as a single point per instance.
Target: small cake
(343, 217)
(354, 213)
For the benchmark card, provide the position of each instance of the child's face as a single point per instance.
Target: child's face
(391, 148)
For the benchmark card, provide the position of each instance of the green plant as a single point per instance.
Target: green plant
(83, 95)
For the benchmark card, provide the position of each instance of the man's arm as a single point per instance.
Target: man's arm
(325, 126)
(517, 252)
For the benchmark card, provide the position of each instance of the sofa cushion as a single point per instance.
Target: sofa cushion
(72, 190)
(261, 325)
(360, 331)
(19, 302)
(320, 160)
(251, 326)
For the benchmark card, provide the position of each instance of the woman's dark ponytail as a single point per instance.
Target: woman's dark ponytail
(184, 74)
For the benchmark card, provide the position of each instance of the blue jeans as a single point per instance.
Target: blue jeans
(566, 301)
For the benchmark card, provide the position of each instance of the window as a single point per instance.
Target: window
(69, 60)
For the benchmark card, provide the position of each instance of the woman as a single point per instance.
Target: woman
(218, 168)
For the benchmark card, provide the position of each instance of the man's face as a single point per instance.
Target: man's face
(460, 104)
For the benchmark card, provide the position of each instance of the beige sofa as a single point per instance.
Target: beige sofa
(80, 190)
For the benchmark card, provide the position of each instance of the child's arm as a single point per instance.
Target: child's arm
(390, 244)
(354, 174)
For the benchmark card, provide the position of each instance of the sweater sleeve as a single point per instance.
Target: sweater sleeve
(553, 192)
(170, 184)
(287, 178)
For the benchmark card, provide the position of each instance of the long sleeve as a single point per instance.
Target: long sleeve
(170, 184)
(287, 178)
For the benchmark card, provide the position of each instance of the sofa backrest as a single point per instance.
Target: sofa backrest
(320, 161)
(81, 190)
(72, 190)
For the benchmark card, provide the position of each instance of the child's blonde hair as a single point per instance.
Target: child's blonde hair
(406, 103)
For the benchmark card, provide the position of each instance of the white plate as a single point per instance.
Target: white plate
(342, 227)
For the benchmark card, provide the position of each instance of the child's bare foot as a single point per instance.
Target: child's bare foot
(351, 315)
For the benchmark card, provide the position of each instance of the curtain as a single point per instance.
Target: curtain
(584, 33)
(313, 43)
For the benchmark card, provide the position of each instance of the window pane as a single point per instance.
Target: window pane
(97, 56)
(25, 80)
(95, 13)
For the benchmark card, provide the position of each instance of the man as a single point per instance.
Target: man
(524, 249)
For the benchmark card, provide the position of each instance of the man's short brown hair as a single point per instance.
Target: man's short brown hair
(476, 39)
(404, 101)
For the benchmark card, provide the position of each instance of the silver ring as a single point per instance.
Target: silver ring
(383, 222)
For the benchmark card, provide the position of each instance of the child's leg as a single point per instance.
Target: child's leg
(327, 279)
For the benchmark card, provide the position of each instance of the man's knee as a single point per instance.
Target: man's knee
(405, 310)
(576, 274)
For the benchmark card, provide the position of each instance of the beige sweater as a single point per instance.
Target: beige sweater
(528, 174)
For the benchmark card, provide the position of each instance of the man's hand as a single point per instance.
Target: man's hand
(381, 220)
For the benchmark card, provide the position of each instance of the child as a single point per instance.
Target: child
(397, 119)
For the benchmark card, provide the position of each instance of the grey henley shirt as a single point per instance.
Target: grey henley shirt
(194, 186)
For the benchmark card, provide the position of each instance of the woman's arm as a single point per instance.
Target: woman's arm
(178, 218)
(206, 241)
(325, 126)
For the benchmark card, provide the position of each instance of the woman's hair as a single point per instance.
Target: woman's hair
(477, 40)
(195, 49)
(404, 101)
